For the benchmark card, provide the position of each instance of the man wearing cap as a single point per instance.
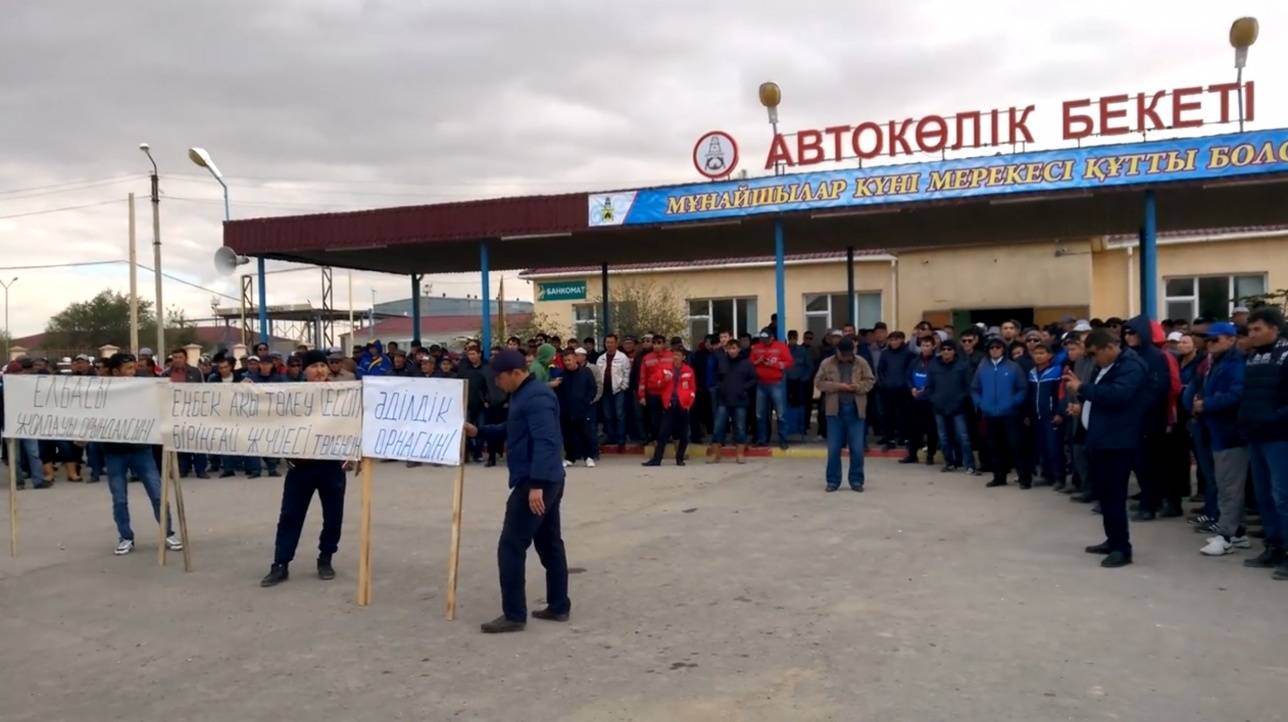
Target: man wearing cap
(892, 386)
(679, 389)
(534, 450)
(306, 476)
(1239, 317)
(771, 358)
(1216, 407)
(998, 392)
(141, 366)
(653, 370)
(845, 379)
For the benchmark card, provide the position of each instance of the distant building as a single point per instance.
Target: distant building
(445, 306)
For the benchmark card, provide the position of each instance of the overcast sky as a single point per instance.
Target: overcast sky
(323, 105)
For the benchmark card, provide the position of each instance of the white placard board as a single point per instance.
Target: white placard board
(286, 420)
(108, 409)
(413, 419)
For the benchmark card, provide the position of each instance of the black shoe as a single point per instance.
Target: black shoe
(996, 482)
(930, 460)
(912, 459)
(1269, 558)
(857, 488)
(325, 570)
(1026, 485)
(256, 475)
(1082, 498)
(1058, 486)
(490, 462)
(277, 574)
(1144, 515)
(679, 462)
(1101, 548)
(273, 473)
(652, 462)
(947, 468)
(1115, 560)
(202, 475)
(972, 472)
(887, 446)
(227, 475)
(831, 489)
(1170, 511)
(782, 445)
(184, 474)
(501, 625)
(549, 616)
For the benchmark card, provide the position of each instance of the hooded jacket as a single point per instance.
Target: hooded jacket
(1155, 391)
(999, 388)
(892, 369)
(540, 367)
(1045, 388)
(735, 381)
(374, 362)
(948, 388)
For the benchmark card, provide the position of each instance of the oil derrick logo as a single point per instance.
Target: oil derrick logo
(715, 155)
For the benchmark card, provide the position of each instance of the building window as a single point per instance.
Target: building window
(827, 310)
(713, 315)
(1190, 297)
(585, 320)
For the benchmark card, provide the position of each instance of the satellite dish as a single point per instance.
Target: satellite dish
(227, 260)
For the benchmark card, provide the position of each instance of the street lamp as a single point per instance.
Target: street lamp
(156, 246)
(6, 315)
(201, 157)
(770, 96)
(1243, 33)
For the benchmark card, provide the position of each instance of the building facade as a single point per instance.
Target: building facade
(1201, 273)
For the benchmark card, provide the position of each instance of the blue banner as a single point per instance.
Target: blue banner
(1151, 163)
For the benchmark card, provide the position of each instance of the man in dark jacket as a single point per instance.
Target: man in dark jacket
(1263, 419)
(475, 375)
(1138, 335)
(892, 388)
(800, 383)
(948, 391)
(1215, 404)
(534, 447)
(736, 382)
(1084, 367)
(921, 417)
(576, 393)
(998, 391)
(1112, 412)
(496, 408)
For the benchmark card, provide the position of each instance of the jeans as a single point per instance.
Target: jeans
(1048, 440)
(327, 479)
(845, 429)
(1270, 480)
(723, 414)
(31, 450)
(142, 465)
(774, 395)
(520, 530)
(613, 412)
(954, 437)
(1110, 471)
(94, 457)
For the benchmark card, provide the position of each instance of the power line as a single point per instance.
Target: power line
(82, 181)
(69, 188)
(62, 208)
(77, 264)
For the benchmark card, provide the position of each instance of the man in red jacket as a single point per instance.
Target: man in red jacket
(771, 358)
(653, 369)
(678, 388)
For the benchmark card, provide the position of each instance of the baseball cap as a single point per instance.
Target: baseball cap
(145, 351)
(1223, 328)
(580, 351)
(508, 360)
(830, 332)
(1082, 325)
(252, 358)
(1241, 309)
(762, 334)
(313, 356)
(1174, 336)
(995, 341)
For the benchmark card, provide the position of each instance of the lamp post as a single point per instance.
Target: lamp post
(6, 315)
(770, 96)
(156, 247)
(201, 157)
(1243, 33)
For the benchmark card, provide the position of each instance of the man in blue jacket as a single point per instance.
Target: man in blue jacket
(534, 451)
(1263, 419)
(1215, 404)
(1113, 415)
(998, 391)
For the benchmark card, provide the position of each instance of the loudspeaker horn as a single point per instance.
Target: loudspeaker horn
(227, 260)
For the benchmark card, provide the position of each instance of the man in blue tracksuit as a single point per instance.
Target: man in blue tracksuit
(534, 457)
(1047, 418)
(998, 391)
(1113, 413)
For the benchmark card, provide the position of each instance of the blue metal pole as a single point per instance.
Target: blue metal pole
(780, 281)
(1149, 259)
(415, 308)
(487, 301)
(263, 304)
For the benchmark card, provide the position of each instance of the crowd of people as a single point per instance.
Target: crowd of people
(1079, 406)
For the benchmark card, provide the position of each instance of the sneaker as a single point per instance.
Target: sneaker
(202, 475)
(1201, 520)
(972, 471)
(1241, 542)
(590, 463)
(124, 546)
(227, 475)
(1217, 546)
(1281, 573)
(173, 544)
(325, 570)
(567, 463)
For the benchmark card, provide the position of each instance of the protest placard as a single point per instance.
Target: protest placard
(292, 421)
(413, 419)
(82, 408)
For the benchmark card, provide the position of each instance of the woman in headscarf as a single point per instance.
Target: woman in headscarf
(540, 368)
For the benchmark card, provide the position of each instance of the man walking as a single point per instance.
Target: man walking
(533, 457)
(1113, 414)
(306, 476)
(845, 380)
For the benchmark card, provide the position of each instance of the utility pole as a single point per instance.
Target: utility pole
(156, 250)
(134, 285)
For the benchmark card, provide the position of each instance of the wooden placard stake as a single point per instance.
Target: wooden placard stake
(178, 508)
(364, 535)
(458, 498)
(165, 506)
(13, 497)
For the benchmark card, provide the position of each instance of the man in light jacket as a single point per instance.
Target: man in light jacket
(613, 370)
(845, 380)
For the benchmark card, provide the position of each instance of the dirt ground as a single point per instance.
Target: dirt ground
(703, 593)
